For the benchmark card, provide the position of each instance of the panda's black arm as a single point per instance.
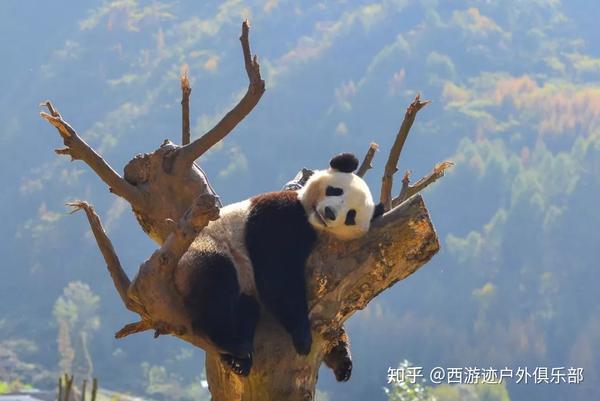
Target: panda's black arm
(282, 290)
(279, 240)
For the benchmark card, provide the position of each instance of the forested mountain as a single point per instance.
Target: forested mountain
(515, 90)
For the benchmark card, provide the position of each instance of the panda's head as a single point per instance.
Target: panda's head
(338, 201)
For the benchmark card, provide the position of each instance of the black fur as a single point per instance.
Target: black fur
(344, 162)
(339, 359)
(350, 218)
(279, 239)
(379, 210)
(333, 191)
(220, 311)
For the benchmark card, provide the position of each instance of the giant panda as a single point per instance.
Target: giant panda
(255, 254)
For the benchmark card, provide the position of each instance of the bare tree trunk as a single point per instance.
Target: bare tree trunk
(161, 186)
(343, 277)
(173, 201)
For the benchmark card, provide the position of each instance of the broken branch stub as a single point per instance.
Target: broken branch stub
(391, 165)
(342, 277)
(161, 185)
(172, 199)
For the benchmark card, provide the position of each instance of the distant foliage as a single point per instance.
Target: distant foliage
(75, 312)
(516, 105)
(420, 391)
(163, 385)
(13, 386)
(406, 391)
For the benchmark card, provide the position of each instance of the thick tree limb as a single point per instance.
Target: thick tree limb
(366, 163)
(347, 275)
(161, 185)
(78, 149)
(342, 277)
(190, 152)
(409, 190)
(186, 91)
(154, 285)
(152, 294)
(392, 163)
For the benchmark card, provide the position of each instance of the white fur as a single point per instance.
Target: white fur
(356, 196)
(226, 234)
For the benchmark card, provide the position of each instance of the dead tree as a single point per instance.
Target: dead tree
(173, 200)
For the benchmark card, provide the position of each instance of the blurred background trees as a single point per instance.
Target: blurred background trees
(516, 105)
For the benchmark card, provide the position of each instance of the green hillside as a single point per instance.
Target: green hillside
(515, 90)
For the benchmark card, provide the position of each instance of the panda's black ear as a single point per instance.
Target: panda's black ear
(344, 162)
(379, 209)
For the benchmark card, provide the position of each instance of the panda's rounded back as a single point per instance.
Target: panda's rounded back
(225, 237)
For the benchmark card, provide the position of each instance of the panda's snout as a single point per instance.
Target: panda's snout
(329, 213)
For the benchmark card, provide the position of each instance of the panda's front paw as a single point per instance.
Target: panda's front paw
(239, 366)
(302, 343)
(343, 371)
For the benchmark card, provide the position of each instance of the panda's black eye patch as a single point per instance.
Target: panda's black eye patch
(350, 218)
(333, 191)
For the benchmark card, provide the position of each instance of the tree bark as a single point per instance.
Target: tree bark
(342, 277)
(161, 185)
(392, 162)
(409, 190)
(172, 200)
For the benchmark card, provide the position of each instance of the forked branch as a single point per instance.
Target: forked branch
(161, 185)
(409, 190)
(256, 87)
(152, 294)
(392, 163)
(342, 277)
(78, 149)
(119, 277)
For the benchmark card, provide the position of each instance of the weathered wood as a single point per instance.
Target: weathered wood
(161, 185)
(366, 163)
(172, 200)
(152, 294)
(78, 149)
(186, 91)
(94, 389)
(409, 190)
(120, 279)
(343, 277)
(256, 87)
(391, 166)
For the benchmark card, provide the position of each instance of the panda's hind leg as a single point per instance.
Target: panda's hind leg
(248, 314)
(339, 359)
(219, 310)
